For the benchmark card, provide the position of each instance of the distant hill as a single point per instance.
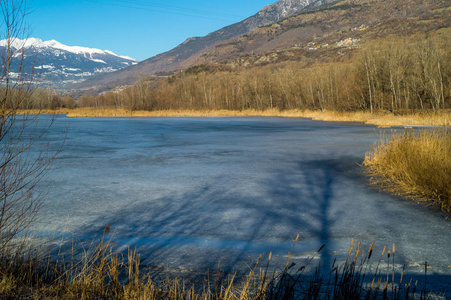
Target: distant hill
(184, 55)
(58, 65)
(290, 30)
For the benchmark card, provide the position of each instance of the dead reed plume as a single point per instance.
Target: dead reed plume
(414, 163)
(105, 274)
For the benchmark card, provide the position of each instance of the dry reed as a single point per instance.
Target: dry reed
(442, 118)
(105, 274)
(413, 163)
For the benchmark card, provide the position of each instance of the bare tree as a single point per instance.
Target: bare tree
(24, 157)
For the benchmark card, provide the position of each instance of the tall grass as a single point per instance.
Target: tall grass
(105, 274)
(413, 163)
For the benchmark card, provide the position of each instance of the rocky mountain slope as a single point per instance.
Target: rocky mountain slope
(314, 33)
(57, 65)
(329, 33)
(185, 54)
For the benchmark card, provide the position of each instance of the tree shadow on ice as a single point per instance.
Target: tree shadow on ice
(196, 230)
(209, 217)
(311, 192)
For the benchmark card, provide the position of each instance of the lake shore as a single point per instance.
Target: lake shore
(382, 119)
(187, 193)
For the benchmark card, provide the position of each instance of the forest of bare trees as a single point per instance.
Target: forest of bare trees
(393, 74)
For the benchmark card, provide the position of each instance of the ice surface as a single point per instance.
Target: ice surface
(189, 192)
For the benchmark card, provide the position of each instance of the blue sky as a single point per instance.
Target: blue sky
(137, 28)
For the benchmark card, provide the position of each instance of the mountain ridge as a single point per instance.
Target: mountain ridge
(184, 54)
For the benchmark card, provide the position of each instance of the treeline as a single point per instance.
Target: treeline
(391, 74)
(29, 98)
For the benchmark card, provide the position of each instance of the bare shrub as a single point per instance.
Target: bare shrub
(24, 159)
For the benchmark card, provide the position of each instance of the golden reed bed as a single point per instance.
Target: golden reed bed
(414, 163)
(383, 119)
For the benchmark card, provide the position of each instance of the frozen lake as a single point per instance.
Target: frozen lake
(190, 192)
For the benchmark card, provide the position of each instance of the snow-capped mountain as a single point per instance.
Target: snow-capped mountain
(57, 65)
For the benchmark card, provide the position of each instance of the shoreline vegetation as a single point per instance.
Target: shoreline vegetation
(103, 273)
(382, 119)
(414, 164)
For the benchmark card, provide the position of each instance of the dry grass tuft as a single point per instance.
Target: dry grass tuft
(414, 163)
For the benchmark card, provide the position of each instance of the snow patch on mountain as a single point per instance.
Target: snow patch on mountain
(38, 43)
(58, 65)
(285, 8)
